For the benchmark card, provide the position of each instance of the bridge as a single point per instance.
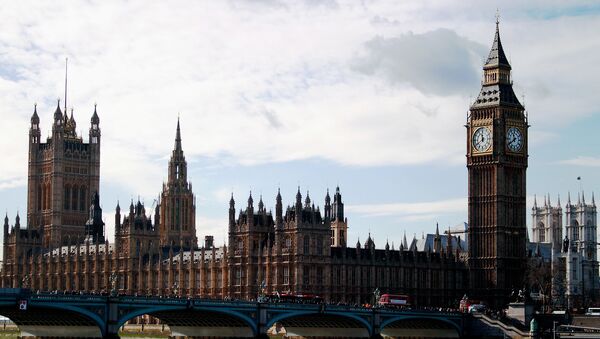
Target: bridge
(82, 315)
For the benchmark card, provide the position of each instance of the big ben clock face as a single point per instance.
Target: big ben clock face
(482, 139)
(514, 139)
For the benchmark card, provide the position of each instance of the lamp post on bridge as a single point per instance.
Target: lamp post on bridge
(26, 281)
(175, 290)
(113, 283)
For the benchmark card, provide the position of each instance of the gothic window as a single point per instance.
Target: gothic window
(574, 269)
(319, 275)
(238, 276)
(67, 197)
(288, 242)
(306, 244)
(542, 232)
(75, 197)
(82, 199)
(219, 279)
(319, 246)
(575, 230)
(39, 197)
(306, 275)
(342, 241)
(286, 275)
(332, 237)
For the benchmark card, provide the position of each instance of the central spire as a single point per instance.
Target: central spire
(178, 137)
(497, 57)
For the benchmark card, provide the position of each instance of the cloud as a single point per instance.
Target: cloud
(439, 62)
(582, 161)
(411, 210)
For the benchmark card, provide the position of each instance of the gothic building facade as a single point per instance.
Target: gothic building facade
(569, 262)
(300, 249)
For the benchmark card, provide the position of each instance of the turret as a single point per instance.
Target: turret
(278, 211)
(58, 119)
(95, 128)
(250, 210)
(117, 217)
(261, 205)
(94, 227)
(327, 208)
(6, 227)
(231, 213)
(307, 200)
(34, 130)
(298, 200)
(17, 223)
(437, 241)
(338, 205)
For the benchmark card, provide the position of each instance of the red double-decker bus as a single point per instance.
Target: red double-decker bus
(394, 300)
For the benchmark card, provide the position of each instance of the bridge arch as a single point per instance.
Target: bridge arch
(172, 315)
(342, 316)
(446, 326)
(38, 321)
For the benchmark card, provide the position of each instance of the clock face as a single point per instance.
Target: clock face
(514, 139)
(482, 139)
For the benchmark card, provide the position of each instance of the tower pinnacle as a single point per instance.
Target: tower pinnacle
(178, 137)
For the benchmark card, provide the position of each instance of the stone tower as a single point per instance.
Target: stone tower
(497, 163)
(334, 214)
(62, 174)
(547, 223)
(177, 203)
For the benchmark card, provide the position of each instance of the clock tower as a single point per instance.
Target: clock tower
(497, 164)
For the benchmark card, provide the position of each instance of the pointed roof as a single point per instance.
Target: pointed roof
(178, 137)
(57, 112)
(35, 119)
(95, 119)
(496, 57)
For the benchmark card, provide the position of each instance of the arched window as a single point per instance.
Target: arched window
(82, 198)
(575, 225)
(74, 196)
(306, 244)
(541, 232)
(67, 198)
(320, 246)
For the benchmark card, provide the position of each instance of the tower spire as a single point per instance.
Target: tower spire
(497, 57)
(178, 137)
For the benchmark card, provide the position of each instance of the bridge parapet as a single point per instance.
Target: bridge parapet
(111, 312)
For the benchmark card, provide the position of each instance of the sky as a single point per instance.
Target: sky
(368, 95)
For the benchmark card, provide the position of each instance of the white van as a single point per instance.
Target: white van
(593, 311)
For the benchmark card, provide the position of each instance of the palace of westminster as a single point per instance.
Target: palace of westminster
(299, 249)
